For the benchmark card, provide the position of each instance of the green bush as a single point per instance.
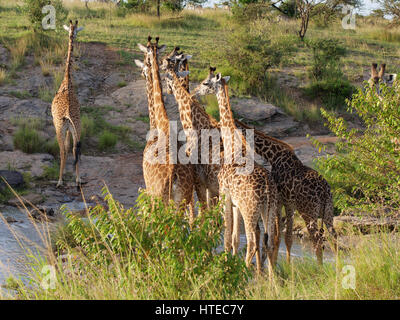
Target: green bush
(326, 58)
(107, 140)
(333, 92)
(28, 140)
(146, 252)
(249, 53)
(365, 171)
(33, 9)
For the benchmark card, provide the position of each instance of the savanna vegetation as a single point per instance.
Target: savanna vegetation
(150, 251)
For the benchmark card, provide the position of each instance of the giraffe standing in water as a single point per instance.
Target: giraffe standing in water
(300, 187)
(251, 193)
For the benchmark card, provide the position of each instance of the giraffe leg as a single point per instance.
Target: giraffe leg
(258, 256)
(316, 236)
(67, 143)
(251, 243)
(328, 220)
(236, 230)
(61, 142)
(228, 223)
(289, 231)
(271, 236)
(76, 152)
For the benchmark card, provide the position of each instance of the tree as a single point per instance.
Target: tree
(33, 9)
(391, 8)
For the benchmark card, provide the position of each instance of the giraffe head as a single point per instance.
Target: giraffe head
(176, 64)
(212, 83)
(73, 29)
(377, 77)
(144, 66)
(151, 50)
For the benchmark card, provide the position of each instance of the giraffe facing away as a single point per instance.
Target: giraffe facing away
(300, 187)
(65, 110)
(251, 193)
(164, 179)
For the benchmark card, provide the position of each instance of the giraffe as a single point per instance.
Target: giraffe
(376, 77)
(194, 119)
(163, 179)
(65, 110)
(253, 193)
(300, 187)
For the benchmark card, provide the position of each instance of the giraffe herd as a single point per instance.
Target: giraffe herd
(220, 171)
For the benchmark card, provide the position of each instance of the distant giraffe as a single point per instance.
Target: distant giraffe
(165, 180)
(253, 194)
(380, 76)
(66, 112)
(300, 187)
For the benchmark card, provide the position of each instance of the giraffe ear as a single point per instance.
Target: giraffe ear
(139, 63)
(218, 77)
(188, 57)
(142, 48)
(66, 28)
(226, 78)
(79, 29)
(162, 48)
(182, 74)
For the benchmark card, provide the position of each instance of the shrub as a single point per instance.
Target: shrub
(249, 53)
(333, 92)
(326, 58)
(146, 252)
(107, 140)
(28, 140)
(365, 171)
(33, 9)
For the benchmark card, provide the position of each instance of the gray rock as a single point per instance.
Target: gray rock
(253, 109)
(13, 178)
(19, 108)
(32, 163)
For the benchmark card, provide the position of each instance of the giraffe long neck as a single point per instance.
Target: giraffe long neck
(68, 67)
(191, 113)
(227, 123)
(150, 101)
(161, 118)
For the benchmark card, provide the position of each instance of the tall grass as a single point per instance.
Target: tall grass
(152, 252)
(147, 252)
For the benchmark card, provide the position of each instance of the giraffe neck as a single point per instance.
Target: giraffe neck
(67, 75)
(161, 118)
(227, 123)
(185, 80)
(150, 100)
(191, 113)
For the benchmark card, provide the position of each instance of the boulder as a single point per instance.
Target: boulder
(21, 161)
(253, 109)
(13, 178)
